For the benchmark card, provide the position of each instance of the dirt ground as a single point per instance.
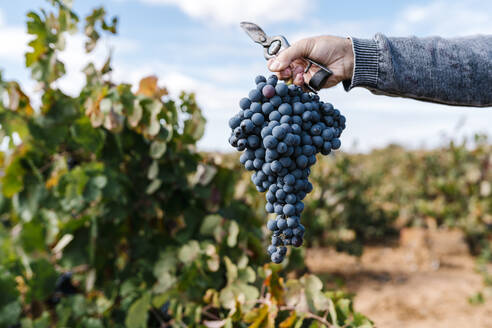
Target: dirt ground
(424, 280)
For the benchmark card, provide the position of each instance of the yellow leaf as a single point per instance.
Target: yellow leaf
(52, 181)
(289, 321)
(18, 101)
(256, 316)
(148, 87)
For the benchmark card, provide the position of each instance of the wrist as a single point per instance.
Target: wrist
(349, 59)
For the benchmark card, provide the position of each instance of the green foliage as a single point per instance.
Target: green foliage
(110, 218)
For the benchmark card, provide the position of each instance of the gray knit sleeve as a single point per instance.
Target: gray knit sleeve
(455, 71)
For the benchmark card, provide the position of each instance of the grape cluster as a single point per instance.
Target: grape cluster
(280, 128)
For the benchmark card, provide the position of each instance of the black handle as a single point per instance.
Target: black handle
(319, 78)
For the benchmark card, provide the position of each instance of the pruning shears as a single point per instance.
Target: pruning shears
(273, 45)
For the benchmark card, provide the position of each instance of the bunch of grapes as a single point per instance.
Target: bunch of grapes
(280, 128)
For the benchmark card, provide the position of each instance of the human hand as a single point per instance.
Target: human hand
(331, 51)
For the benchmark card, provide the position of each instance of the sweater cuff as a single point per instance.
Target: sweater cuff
(365, 66)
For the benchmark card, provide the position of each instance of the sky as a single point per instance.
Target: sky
(197, 45)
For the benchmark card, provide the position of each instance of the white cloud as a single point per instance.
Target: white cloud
(234, 11)
(446, 18)
(76, 59)
(13, 40)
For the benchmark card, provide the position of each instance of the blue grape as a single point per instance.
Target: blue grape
(288, 232)
(299, 108)
(260, 86)
(281, 224)
(272, 225)
(289, 209)
(279, 132)
(276, 166)
(282, 250)
(309, 187)
(335, 143)
(248, 113)
(289, 179)
(272, 80)
(244, 103)
(241, 144)
(281, 147)
(301, 161)
(285, 161)
(291, 199)
(296, 128)
(285, 109)
(269, 208)
(285, 119)
(270, 142)
(292, 221)
(267, 108)
(248, 165)
(234, 122)
(276, 101)
(253, 141)
(257, 119)
(259, 153)
(318, 141)
(305, 97)
(276, 241)
(327, 108)
(258, 164)
(275, 116)
(277, 257)
(247, 126)
(270, 155)
(255, 95)
(280, 194)
(289, 139)
(271, 249)
(255, 107)
(281, 89)
(259, 79)
(296, 241)
(299, 207)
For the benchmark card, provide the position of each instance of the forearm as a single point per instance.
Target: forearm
(452, 71)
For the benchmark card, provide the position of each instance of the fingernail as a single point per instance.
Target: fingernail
(275, 65)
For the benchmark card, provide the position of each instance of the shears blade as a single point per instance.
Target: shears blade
(255, 32)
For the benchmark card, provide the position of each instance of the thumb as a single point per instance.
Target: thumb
(287, 56)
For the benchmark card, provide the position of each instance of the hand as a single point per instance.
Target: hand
(331, 51)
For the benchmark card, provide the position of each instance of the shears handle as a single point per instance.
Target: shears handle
(279, 43)
(319, 78)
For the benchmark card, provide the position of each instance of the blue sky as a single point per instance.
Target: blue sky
(197, 45)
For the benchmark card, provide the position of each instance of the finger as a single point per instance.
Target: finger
(298, 50)
(299, 79)
(285, 74)
(298, 70)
